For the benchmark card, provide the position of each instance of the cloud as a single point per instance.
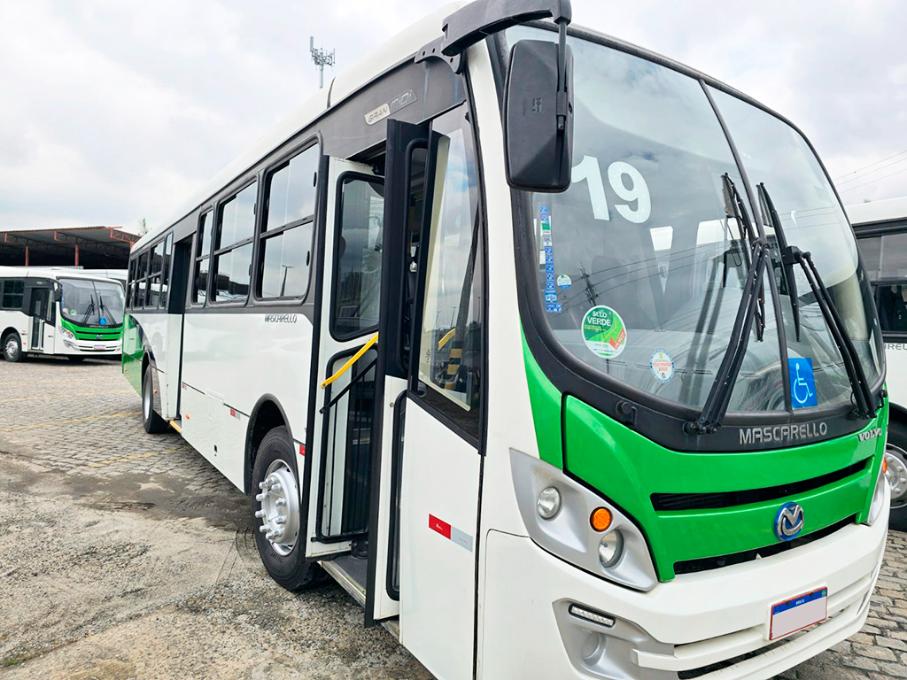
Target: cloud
(114, 110)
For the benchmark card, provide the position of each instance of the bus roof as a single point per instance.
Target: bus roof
(53, 273)
(391, 53)
(878, 211)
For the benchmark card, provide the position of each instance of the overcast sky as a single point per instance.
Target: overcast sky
(115, 110)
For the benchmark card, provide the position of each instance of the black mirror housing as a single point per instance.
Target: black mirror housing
(538, 136)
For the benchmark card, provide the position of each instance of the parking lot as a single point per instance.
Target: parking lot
(127, 555)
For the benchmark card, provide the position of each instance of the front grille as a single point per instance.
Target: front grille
(707, 563)
(727, 499)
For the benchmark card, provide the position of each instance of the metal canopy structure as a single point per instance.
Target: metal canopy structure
(88, 247)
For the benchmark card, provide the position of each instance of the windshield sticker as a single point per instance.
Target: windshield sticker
(662, 366)
(564, 281)
(802, 383)
(604, 332)
(552, 304)
(103, 321)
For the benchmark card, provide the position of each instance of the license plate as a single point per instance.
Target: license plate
(100, 346)
(798, 613)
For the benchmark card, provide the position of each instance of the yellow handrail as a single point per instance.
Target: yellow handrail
(352, 360)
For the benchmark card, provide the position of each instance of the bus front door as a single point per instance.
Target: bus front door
(39, 312)
(431, 353)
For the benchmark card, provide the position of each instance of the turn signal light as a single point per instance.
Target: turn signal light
(600, 519)
(885, 466)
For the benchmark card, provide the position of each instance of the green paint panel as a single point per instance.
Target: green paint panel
(627, 468)
(546, 411)
(133, 353)
(101, 333)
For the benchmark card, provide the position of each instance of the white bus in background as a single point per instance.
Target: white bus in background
(484, 332)
(881, 229)
(62, 311)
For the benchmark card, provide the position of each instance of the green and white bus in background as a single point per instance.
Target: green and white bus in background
(881, 229)
(555, 353)
(61, 312)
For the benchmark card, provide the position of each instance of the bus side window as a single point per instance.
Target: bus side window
(286, 233)
(451, 338)
(357, 256)
(202, 256)
(165, 269)
(232, 261)
(13, 294)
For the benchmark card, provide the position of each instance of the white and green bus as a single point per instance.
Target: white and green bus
(60, 312)
(556, 354)
(881, 229)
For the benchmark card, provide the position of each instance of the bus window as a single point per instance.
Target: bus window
(13, 294)
(894, 257)
(357, 283)
(203, 252)
(233, 260)
(452, 315)
(892, 302)
(286, 239)
(165, 269)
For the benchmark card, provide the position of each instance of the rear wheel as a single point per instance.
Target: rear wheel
(278, 520)
(896, 457)
(153, 423)
(12, 347)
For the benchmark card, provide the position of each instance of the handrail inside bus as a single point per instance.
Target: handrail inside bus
(352, 360)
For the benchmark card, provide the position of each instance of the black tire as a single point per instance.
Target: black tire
(897, 446)
(75, 359)
(12, 347)
(152, 422)
(291, 571)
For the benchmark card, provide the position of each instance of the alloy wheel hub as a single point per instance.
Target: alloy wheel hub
(11, 348)
(278, 503)
(897, 474)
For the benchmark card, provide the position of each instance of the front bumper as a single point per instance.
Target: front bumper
(686, 625)
(91, 346)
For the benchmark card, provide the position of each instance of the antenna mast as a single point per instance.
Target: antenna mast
(321, 58)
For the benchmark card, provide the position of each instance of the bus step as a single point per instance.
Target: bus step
(350, 573)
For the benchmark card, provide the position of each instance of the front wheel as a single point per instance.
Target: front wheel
(153, 423)
(12, 347)
(277, 516)
(896, 458)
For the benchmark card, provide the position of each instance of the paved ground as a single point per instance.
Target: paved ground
(126, 555)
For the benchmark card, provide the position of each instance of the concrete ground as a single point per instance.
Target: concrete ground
(127, 555)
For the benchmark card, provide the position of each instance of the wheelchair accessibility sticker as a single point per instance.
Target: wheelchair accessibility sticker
(802, 383)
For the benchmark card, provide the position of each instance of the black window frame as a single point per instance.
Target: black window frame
(263, 233)
(880, 230)
(343, 178)
(198, 257)
(3, 294)
(218, 251)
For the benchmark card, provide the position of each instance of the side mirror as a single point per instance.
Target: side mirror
(538, 116)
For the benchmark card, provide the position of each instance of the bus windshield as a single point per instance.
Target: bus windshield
(92, 303)
(641, 264)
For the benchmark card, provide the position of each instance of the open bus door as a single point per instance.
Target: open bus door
(41, 317)
(423, 538)
(339, 459)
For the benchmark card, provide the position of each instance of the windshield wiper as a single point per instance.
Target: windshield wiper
(88, 312)
(734, 207)
(866, 403)
(787, 262)
(720, 395)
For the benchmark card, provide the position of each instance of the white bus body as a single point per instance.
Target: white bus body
(63, 312)
(481, 480)
(881, 229)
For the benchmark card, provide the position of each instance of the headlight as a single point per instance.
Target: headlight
(576, 524)
(880, 497)
(68, 334)
(549, 502)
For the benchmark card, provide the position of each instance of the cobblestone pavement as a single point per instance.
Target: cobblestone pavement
(128, 555)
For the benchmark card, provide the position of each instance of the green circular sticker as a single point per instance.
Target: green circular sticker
(604, 332)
